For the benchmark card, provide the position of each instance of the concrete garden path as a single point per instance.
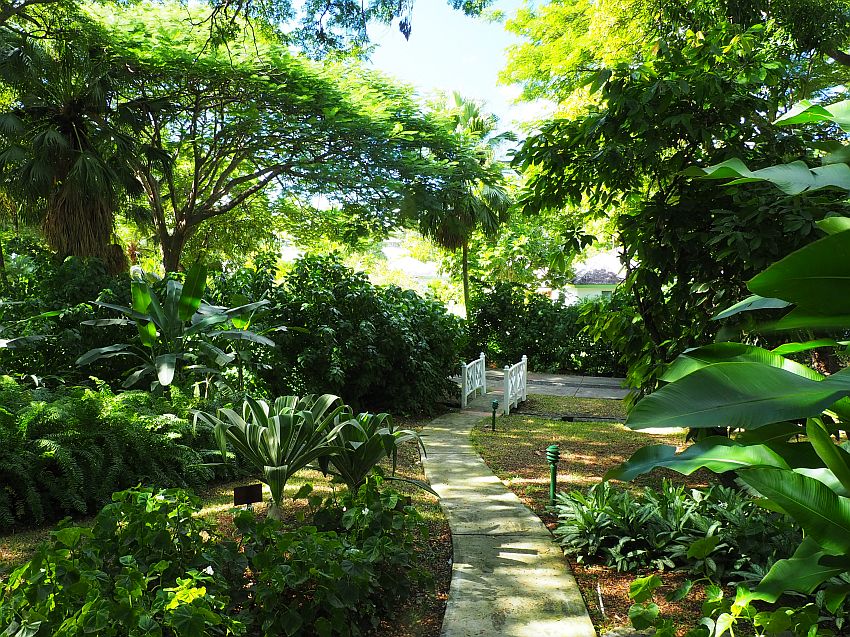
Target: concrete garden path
(509, 579)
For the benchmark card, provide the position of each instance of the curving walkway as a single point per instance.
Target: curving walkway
(509, 579)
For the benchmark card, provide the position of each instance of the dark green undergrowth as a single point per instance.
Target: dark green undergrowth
(65, 451)
(149, 565)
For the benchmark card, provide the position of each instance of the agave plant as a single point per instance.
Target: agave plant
(281, 439)
(177, 331)
(362, 442)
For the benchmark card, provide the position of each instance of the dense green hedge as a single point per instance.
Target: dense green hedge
(379, 347)
(509, 320)
(64, 452)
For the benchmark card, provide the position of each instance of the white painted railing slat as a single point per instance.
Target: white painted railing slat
(516, 385)
(473, 377)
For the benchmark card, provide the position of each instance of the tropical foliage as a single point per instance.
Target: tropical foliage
(509, 321)
(281, 439)
(382, 348)
(784, 414)
(177, 334)
(688, 87)
(150, 563)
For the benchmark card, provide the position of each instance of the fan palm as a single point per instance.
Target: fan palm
(481, 201)
(64, 151)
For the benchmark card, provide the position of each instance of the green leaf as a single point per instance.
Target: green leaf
(750, 304)
(834, 225)
(70, 535)
(792, 179)
(699, 357)
(802, 572)
(192, 293)
(806, 112)
(141, 296)
(642, 588)
(834, 596)
(643, 616)
(717, 453)
(165, 367)
(103, 352)
(794, 348)
(741, 395)
(811, 274)
(244, 335)
(147, 333)
(834, 457)
(680, 593)
(703, 547)
(822, 514)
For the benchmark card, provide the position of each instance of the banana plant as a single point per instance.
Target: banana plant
(787, 416)
(281, 439)
(363, 442)
(177, 332)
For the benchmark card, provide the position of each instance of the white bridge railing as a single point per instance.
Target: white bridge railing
(516, 384)
(473, 376)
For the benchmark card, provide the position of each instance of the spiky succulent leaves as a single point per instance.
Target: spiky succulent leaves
(365, 441)
(281, 440)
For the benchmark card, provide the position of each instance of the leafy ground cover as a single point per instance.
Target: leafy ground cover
(420, 616)
(516, 453)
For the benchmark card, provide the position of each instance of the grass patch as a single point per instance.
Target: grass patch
(562, 405)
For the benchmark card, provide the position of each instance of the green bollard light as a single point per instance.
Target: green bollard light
(495, 406)
(553, 455)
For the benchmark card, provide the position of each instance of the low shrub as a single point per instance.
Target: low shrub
(150, 565)
(718, 532)
(64, 452)
(509, 321)
(382, 348)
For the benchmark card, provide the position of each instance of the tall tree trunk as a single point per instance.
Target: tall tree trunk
(465, 254)
(3, 278)
(172, 250)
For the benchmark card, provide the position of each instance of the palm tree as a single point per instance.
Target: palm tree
(481, 202)
(63, 153)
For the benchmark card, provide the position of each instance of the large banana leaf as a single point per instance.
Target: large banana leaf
(110, 351)
(822, 514)
(794, 348)
(193, 289)
(716, 453)
(816, 277)
(836, 459)
(802, 572)
(166, 365)
(803, 319)
(699, 357)
(792, 179)
(739, 395)
(752, 303)
(806, 112)
(833, 225)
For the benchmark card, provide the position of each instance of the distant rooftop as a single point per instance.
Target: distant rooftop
(601, 269)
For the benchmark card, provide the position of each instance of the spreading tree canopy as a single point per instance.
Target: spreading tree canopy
(699, 86)
(192, 132)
